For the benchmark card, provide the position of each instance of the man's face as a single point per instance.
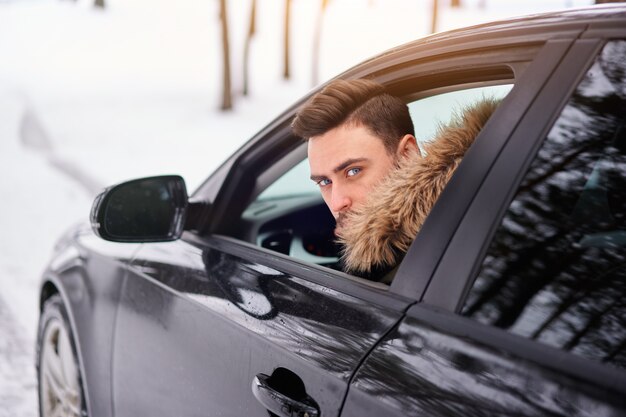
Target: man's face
(346, 162)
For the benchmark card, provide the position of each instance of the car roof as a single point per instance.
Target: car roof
(587, 14)
(583, 15)
(521, 29)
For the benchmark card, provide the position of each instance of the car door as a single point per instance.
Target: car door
(214, 325)
(218, 324)
(524, 314)
(200, 320)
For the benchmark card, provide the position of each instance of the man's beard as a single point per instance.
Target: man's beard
(340, 223)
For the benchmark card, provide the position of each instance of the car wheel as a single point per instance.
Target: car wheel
(58, 373)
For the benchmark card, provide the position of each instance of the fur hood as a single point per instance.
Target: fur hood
(379, 233)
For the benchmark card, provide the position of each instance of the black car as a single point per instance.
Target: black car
(510, 301)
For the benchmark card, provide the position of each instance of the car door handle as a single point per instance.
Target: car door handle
(279, 403)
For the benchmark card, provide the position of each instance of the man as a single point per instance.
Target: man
(356, 133)
(364, 156)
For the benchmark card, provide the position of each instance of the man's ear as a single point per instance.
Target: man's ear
(408, 146)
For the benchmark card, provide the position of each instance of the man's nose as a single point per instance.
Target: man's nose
(339, 200)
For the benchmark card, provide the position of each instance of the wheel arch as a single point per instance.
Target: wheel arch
(49, 288)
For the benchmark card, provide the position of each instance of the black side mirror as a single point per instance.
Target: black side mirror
(143, 210)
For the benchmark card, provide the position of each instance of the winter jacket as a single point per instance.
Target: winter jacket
(378, 233)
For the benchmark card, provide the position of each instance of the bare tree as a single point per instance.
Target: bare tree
(286, 72)
(433, 26)
(97, 3)
(227, 103)
(315, 61)
(246, 48)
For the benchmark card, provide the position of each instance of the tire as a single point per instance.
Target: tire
(58, 373)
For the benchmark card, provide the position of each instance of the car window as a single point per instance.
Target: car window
(301, 225)
(430, 112)
(555, 271)
(293, 182)
(427, 114)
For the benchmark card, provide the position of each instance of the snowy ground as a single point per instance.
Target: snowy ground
(89, 98)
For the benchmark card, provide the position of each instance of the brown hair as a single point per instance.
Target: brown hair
(356, 102)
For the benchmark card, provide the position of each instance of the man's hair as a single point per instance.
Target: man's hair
(358, 103)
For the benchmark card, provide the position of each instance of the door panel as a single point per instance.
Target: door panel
(421, 370)
(197, 324)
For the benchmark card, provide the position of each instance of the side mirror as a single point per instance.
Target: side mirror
(143, 210)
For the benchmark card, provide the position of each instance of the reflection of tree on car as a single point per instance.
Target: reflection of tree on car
(566, 267)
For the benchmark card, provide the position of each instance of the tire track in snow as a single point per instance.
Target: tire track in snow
(18, 377)
(33, 135)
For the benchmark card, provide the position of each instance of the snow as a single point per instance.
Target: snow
(89, 98)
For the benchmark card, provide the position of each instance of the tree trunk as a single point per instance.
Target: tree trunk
(227, 103)
(433, 26)
(317, 39)
(246, 49)
(455, 3)
(99, 3)
(286, 72)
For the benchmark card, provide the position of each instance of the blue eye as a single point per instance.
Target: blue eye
(353, 171)
(324, 182)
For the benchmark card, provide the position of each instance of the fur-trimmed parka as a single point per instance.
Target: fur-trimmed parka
(378, 234)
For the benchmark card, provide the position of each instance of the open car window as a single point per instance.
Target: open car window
(289, 215)
(428, 114)
(293, 183)
(431, 112)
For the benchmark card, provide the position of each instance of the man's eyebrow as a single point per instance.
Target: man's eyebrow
(318, 178)
(345, 164)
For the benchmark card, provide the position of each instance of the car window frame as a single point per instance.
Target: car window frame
(423, 257)
(452, 280)
(423, 76)
(375, 293)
